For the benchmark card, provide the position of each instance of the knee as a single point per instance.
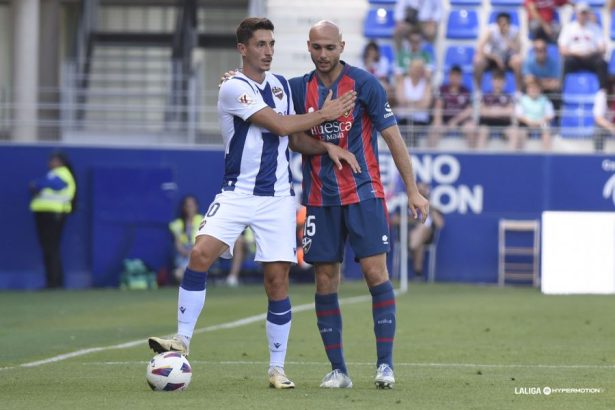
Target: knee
(375, 275)
(201, 258)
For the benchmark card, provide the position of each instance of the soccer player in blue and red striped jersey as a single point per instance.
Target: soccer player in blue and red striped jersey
(343, 205)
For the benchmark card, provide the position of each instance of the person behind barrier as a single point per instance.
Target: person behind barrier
(53, 199)
(184, 229)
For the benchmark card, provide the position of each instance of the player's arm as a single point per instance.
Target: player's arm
(288, 124)
(304, 144)
(416, 202)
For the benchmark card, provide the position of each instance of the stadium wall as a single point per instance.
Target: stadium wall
(127, 196)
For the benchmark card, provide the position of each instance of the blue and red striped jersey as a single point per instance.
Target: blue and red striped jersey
(323, 183)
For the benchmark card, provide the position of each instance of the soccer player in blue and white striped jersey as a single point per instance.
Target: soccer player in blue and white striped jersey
(256, 116)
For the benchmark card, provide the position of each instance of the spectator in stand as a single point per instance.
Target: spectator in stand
(380, 67)
(534, 113)
(604, 116)
(497, 110)
(421, 16)
(452, 110)
(542, 68)
(582, 45)
(414, 52)
(498, 48)
(541, 19)
(375, 63)
(413, 93)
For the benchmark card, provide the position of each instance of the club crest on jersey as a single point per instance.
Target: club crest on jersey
(277, 91)
(245, 99)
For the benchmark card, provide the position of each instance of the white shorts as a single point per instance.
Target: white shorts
(272, 219)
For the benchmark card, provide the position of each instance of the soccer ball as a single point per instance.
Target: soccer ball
(169, 371)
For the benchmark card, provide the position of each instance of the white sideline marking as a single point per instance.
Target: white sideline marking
(449, 365)
(229, 325)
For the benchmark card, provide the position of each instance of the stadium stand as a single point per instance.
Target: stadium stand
(379, 23)
(508, 3)
(577, 120)
(509, 82)
(514, 16)
(462, 24)
(465, 2)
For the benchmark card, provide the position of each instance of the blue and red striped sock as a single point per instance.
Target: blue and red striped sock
(329, 321)
(383, 310)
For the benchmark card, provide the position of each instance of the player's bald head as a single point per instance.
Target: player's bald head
(325, 28)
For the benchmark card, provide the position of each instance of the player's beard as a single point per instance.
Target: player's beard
(332, 64)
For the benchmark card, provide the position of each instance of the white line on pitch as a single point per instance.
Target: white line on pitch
(229, 325)
(449, 365)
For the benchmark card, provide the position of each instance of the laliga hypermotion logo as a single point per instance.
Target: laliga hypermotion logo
(609, 186)
(609, 189)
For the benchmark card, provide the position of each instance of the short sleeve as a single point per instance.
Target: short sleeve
(375, 98)
(238, 98)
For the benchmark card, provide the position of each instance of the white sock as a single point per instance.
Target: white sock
(189, 306)
(277, 335)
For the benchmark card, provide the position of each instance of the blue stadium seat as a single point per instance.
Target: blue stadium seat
(612, 64)
(465, 2)
(507, 3)
(613, 25)
(387, 51)
(462, 24)
(576, 121)
(595, 3)
(598, 14)
(459, 55)
(429, 49)
(386, 2)
(580, 88)
(514, 16)
(379, 23)
(509, 82)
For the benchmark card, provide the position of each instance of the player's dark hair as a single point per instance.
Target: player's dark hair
(248, 26)
(456, 69)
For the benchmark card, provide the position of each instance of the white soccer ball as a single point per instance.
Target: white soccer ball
(169, 371)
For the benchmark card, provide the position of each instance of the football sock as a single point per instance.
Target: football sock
(278, 328)
(190, 301)
(383, 310)
(329, 321)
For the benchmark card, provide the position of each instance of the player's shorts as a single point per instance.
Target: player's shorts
(272, 219)
(365, 224)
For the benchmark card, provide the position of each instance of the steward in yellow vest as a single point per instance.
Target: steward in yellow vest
(52, 201)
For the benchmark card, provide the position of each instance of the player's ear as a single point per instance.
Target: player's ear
(342, 45)
(309, 45)
(242, 49)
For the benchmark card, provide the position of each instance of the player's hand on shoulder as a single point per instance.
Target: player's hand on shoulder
(335, 108)
(227, 76)
(338, 154)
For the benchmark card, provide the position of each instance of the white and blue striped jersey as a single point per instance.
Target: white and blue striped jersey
(256, 160)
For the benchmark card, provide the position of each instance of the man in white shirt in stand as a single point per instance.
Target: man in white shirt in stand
(582, 45)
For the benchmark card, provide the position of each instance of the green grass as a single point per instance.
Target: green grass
(457, 347)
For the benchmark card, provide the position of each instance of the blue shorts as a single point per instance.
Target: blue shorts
(365, 224)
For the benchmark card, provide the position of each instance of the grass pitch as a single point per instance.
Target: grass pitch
(457, 347)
